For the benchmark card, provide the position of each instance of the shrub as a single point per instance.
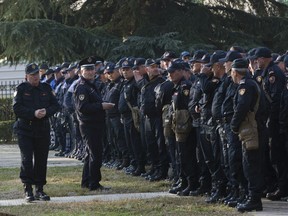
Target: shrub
(6, 131)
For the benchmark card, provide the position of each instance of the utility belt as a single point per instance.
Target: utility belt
(33, 122)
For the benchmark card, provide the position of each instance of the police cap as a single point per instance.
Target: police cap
(138, 62)
(168, 55)
(175, 65)
(150, 62)
(88, 67)
(262, 52)
(110, 67)
(49, 71)
(240, 63)
(231, 56)
(128, 63)
(198, 55)
(31, 68)
(214, 58)
(43, 66)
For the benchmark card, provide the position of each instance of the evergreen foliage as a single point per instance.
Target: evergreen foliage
(64, 30)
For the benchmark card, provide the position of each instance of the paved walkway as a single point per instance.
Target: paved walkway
(10, 157)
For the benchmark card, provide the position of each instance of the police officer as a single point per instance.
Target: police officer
(34, 103)
(200, 58)
(91, 115)
(185, 137)
(273, 85)
(237, 181)
(247, 100)
(127, 105)
(153, 124)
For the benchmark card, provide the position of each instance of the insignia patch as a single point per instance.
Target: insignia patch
(89, 59)
(125, 63)
(272, 79)
(242, 91)
(81, 97)
(33, 66)
(186, 92)
(259, 79)
(15, 93)
(215, 80)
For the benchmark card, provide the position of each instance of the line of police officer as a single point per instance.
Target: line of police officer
(192, 113)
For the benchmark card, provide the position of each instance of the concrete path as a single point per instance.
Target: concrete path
(10, 157)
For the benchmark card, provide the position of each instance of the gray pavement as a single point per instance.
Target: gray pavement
(10, 157)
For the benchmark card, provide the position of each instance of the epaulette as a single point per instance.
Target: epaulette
(21, 85)
(242, 81)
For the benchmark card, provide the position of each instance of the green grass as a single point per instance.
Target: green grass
(65, 181)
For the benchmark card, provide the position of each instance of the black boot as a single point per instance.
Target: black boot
(140, 169)
(181, 186)
(204, 188)
(251, 204)
(233, 195)
(125, 163)
(192, 185)
(29, 196)
(40, 194)
(218, 194)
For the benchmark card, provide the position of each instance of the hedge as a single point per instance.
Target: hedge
(6, 131)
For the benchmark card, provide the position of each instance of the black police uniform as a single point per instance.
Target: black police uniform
(91, 116)
(163, 99)
(129, 94)
(209, 144)
(237, 179)
(204, 173)
(115, 127)
(245, 101)
(186, 149)
(33, 133)
(156, 148)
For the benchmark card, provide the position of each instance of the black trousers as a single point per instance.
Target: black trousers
(37, 148)
(155, 141)
(92, 138)
(133, 140)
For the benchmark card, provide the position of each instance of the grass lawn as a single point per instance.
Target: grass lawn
(65, 181)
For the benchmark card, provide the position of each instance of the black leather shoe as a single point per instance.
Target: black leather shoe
(181, 186)
(276, 195)
(40, 195)
(29, 196)
(251, 204)
(200, 191)
(159, 176)
(99, 188)
(215, 197)
(138, 172)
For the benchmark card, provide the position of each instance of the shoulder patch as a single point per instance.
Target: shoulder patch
(215, 80)
(259, 79)
(81, 97)
(272, 79)
(242, 91)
